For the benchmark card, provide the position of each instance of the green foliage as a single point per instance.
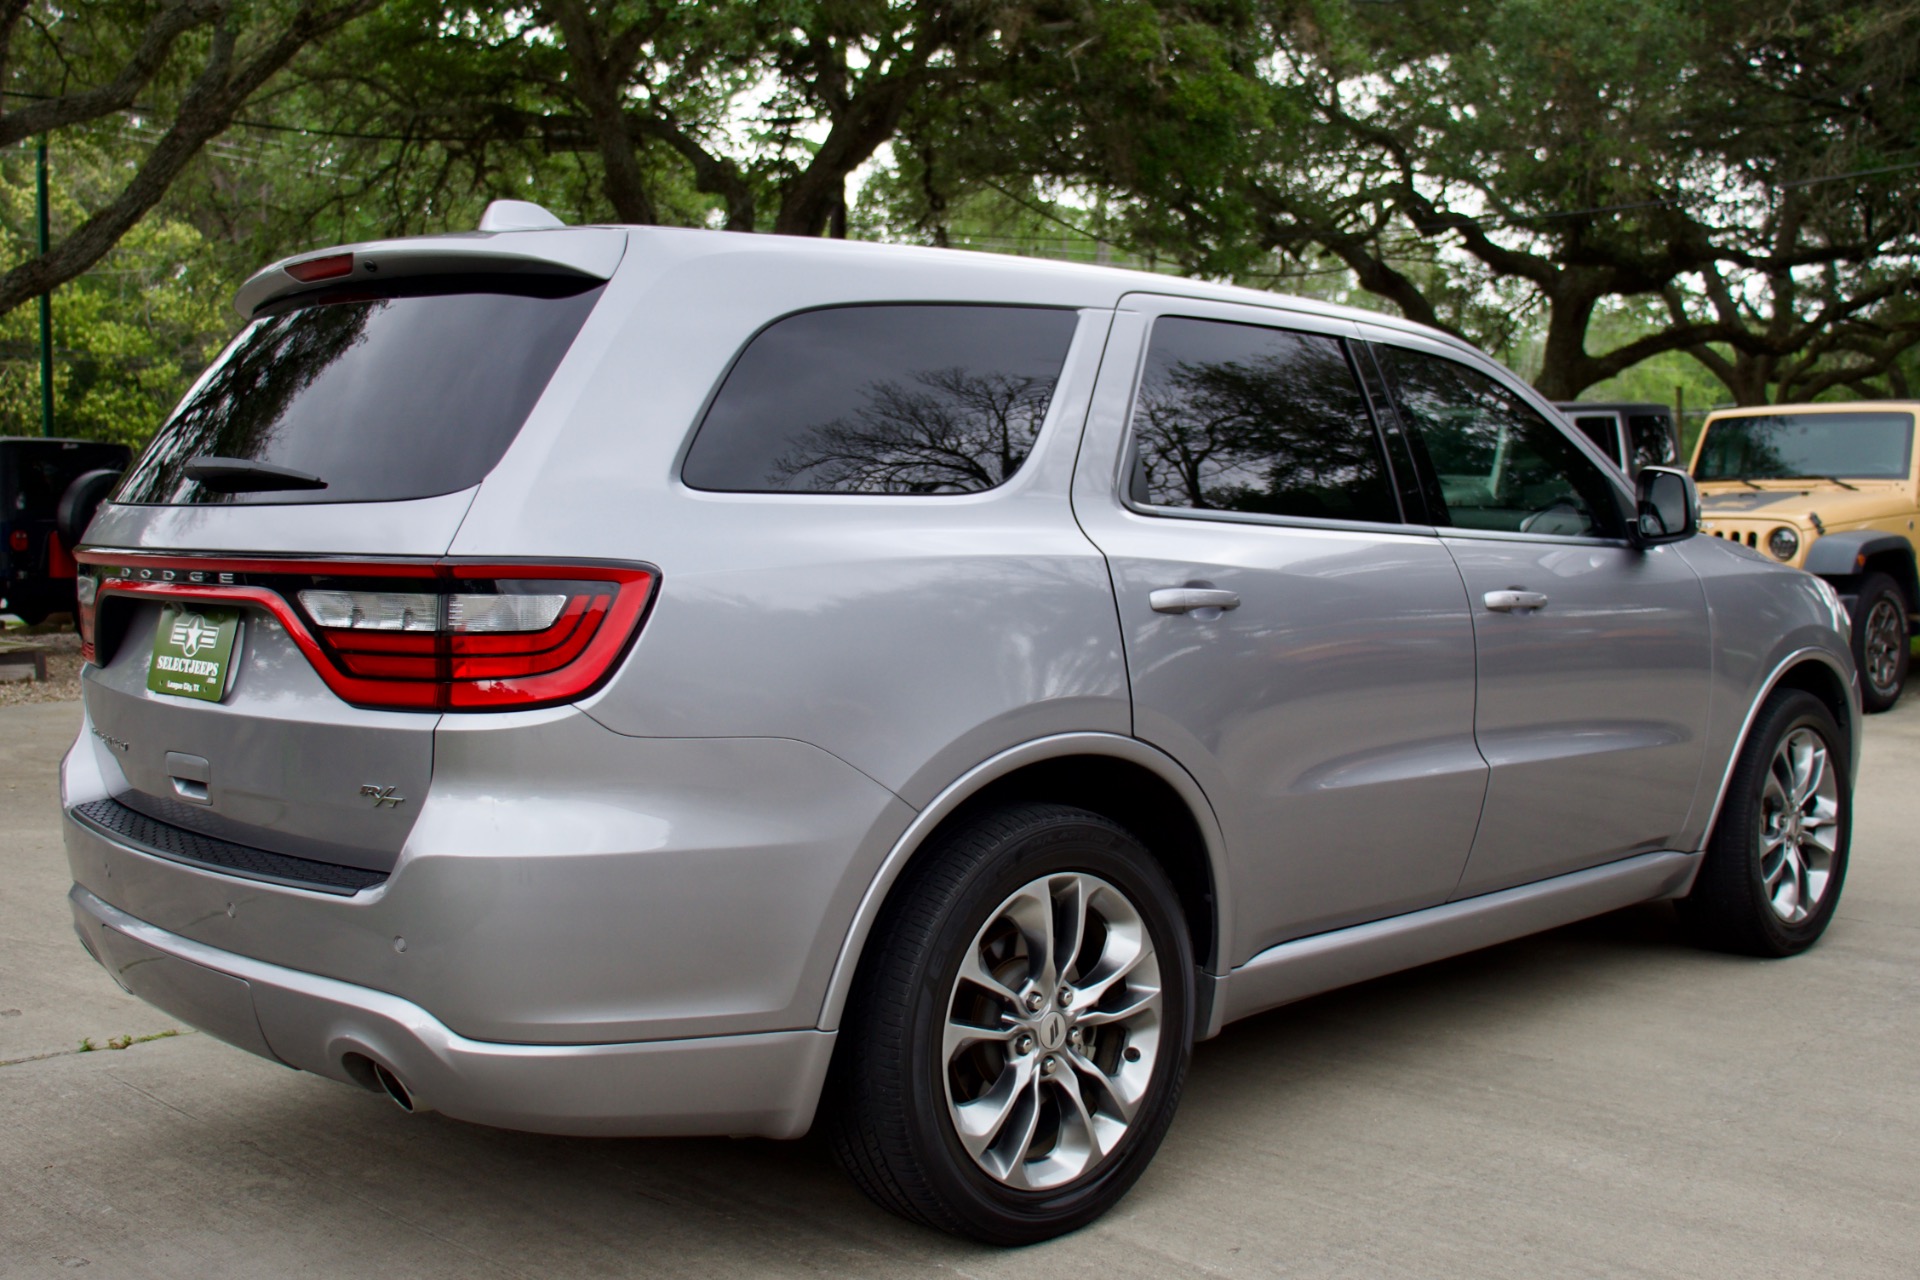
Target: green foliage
(130, 335)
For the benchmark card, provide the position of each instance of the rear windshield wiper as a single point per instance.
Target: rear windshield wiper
(243, 475)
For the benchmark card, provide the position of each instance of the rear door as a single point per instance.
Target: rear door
(1594, 656)
(1298, 643)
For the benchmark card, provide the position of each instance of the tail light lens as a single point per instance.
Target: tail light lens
(414, 635)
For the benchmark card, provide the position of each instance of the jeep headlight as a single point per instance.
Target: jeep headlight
(1784, 543)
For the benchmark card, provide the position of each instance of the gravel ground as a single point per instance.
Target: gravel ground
(63, 669)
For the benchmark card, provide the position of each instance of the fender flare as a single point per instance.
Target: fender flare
(1843, 670)
(969, 784)
(1843, 555)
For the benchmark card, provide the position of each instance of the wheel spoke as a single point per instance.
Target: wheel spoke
(1015, 1146)
(972, 970)
(1816, 774)
(982, 1122)
(1138, 1001)
(1788, 897)
(1123, 1104)
(1773, 867)
(1079, 1116)
(1031, 912)
(1070, 902)
(964, 1035)
(1126, 949)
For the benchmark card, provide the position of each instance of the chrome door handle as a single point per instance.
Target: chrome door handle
(1514, 601)
(1183, 599)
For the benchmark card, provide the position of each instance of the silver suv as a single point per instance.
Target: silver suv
(640, 681)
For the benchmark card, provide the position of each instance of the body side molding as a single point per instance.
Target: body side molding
(970, 783)
(1308, 966)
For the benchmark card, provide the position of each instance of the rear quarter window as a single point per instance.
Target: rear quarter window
(407, 390)
(884, 399)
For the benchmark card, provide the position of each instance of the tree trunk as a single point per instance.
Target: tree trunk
(1565, 368)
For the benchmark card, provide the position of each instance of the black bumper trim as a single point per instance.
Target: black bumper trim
(136, 830)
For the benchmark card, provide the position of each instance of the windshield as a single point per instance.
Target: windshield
(409, 390)
(1863, 445)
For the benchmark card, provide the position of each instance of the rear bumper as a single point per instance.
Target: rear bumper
(763, 1085)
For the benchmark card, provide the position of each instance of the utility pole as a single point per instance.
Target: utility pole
(46, 307)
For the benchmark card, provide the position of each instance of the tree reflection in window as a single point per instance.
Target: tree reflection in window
(909, 398)
(407, 389)
(245, 401)
(1235, 417)
(944, 431)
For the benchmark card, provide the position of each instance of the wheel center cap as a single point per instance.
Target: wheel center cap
(1053, 1030)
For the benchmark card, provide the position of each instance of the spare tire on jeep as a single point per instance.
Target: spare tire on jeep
(78, 503)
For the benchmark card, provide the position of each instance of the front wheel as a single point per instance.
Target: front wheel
(1880, 641)
(1771, 880)
(1017, 1040)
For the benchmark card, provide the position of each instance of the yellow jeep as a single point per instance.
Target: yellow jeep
(1833, 489)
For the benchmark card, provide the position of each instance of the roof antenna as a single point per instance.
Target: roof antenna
(517, 215)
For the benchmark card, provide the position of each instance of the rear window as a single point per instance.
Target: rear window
(412, 390)
(908, 399)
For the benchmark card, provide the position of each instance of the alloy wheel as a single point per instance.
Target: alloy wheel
(1052, 1032)
(1799, 825)
(1885, 636)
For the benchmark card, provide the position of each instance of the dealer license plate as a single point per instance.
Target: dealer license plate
(193, 651)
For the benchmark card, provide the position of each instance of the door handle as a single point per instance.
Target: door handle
(1183, 599)
(1515, 601)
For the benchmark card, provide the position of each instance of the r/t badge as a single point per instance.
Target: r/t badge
(382, 797)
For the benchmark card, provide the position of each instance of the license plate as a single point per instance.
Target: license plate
(193, 652)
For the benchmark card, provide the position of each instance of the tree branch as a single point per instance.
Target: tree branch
(156, 41)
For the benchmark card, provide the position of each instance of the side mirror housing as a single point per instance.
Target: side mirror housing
(1669, 507)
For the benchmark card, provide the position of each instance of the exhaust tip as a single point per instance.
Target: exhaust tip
(391, 1085)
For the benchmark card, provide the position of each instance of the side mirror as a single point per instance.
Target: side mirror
(1669, 506)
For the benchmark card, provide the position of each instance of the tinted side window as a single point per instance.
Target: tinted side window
(883, 399)
(1236, 417)
(1653, 440)
(1603, 429)
(1499, 463)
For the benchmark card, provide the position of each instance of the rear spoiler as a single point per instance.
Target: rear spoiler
(589, 252)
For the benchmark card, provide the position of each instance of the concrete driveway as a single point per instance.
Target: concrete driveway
(1597, 1101)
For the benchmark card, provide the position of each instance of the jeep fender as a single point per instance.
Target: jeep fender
(1846, 555)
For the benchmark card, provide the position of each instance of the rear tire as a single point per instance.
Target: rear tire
(1778, 857)
(1017, 1038)
(1881, 641)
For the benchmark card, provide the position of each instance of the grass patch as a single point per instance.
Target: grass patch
(123, 1042)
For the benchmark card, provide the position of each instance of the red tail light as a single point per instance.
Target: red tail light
(413, 635)
(331, 267)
